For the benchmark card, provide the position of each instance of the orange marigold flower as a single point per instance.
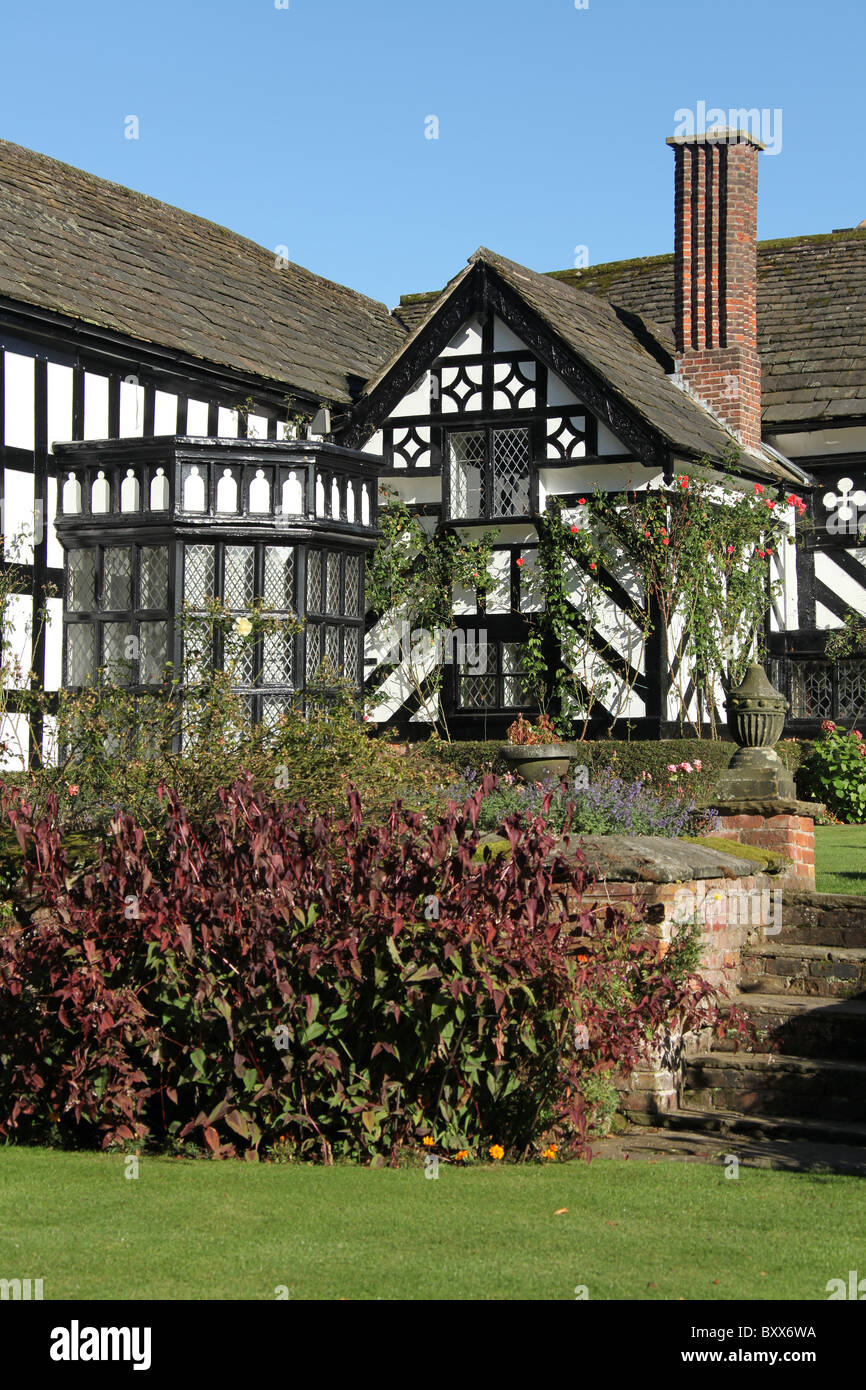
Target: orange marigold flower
(496, 1151)
(462, 1153)
(428, 1141)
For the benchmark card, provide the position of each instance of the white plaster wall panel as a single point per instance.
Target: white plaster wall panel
(683, 675)
(505, 535)
(49, 741)
(374, 444)
(413, 489)
(824, 619)
(607, 688)
(59, 404)
(504, 340)
(196, 419)
(54, 551)
(54, 644)
(95, 406)
(558, 393)
(464, 601)
(20, 396)
(466, 341)
(257, 427)
(227, 423)
(164, 413)
(16, 652)
(416, 401)
(131, 410)
(499, 597)
(531, 584)
(14, 743)
(840, 440)
(17, 519)
(585, 478)
(608, 442)
(470, 399)
(384, 640)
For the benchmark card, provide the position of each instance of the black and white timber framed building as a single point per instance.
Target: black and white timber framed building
(134, 337)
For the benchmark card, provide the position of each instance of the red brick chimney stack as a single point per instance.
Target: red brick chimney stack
(716, 270)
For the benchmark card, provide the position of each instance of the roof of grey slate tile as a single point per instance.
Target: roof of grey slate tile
(811, 318)
(103, 254)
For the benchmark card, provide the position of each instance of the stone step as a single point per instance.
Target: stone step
(764, 1127)
(830, 972)
(821, 919)
(771, 1085)
(807, 1026)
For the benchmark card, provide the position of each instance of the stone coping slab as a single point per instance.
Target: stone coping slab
(653, 859)
(768, 807)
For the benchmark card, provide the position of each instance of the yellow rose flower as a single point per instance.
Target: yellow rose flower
(244, 627)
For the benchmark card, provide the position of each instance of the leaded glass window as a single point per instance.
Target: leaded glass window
(279, 595)
(119, 649)
(81, 581)
(239, 575)
(490, 675)
(152, 652)
(332, 587)
(278, 658)
(80, 653)
(467, 460)
(353, 586)
(117, 579)
(198, 575)
(154, 576)
(314, 581)
(489, 472)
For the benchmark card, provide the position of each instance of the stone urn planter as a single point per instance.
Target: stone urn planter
(756, 717)
(538, 762)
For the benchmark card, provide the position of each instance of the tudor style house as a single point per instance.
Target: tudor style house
(153, 368)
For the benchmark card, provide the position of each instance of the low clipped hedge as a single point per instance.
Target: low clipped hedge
(628, 759)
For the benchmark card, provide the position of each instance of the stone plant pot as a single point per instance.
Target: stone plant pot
(536, 762)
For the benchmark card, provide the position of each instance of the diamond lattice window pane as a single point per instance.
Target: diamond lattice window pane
(279, 595)
(811, 690)
(239, 658)
(351, 648)
(511, 455)
(467, 457)
(274, 707)
(278, 658)
(314, 581)
(198, 575)
(154, 576)
(353, 586)
(515, 687)
(313, 635)
(850, 689)
(332, 648)
(239, 576)
(152, 652)
(80, 650)
(81, 581)
(119, 651)
(117, 578)
(478, 691)
(332, 588)
(197, 650)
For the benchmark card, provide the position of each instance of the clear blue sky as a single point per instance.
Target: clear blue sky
(305, 126)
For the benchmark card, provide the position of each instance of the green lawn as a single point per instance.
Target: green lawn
(840, 858)
(633, 1230)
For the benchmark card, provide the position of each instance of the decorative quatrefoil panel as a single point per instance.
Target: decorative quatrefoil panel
(844, 505)
(514, 385)
(412, 446)
(565, 436)
(461, 387)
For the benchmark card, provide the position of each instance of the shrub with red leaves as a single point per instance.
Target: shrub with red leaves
(348, 986)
